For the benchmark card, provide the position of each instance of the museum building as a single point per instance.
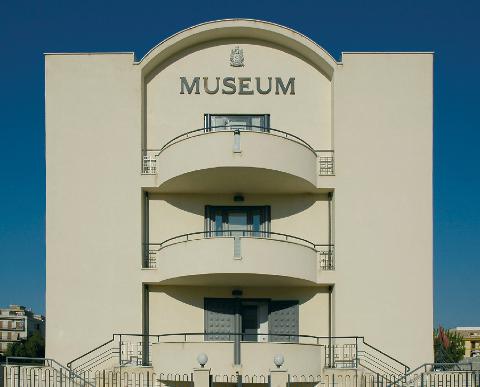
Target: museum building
(239, 192)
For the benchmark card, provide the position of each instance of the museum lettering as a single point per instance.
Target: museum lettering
(237, 85)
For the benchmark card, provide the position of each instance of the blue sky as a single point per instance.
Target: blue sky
(450, 29)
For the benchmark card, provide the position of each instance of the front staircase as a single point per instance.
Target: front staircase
(135, 350)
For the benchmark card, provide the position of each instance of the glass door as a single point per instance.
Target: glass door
(237, 223)
(255, 122)
(254, 320)
(252, 221)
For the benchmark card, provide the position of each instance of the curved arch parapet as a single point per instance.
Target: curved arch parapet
(239, 28)
(190, 77)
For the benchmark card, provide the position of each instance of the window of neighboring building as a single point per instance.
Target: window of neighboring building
(260, 319)
(237, 220)
(255, 122)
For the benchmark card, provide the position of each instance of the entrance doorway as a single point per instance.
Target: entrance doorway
(254, 319)
(259, 319)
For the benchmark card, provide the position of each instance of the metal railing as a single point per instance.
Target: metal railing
(147, 377)
(428, 379)
(340, 352)
(12, 329)
(140, 378)
(149, 162)
(442, 372)
(237, 128)
(344, 353)
(150, 156)
(326, 162)
(325, 251)
(45, 376)
(239, 379)
(32, 371)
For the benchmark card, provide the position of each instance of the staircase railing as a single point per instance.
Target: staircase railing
(377, 361)
(99, 356)
(341, 354)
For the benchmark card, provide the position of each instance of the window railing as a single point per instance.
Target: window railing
(150, 156)
(325, 251)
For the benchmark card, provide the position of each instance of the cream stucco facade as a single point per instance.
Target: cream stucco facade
(325, 207)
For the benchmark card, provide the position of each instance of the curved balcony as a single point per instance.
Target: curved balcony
(233, 257)
(247, 159)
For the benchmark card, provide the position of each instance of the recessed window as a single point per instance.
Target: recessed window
(237, 221)
(254, 122)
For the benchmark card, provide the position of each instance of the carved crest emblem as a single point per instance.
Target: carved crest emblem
(236, 57)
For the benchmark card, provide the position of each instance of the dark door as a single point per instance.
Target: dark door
(250, 323)
(279, 318)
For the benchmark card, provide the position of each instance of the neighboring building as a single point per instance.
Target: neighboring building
(17, 323)
(471, 336)
(238, 181)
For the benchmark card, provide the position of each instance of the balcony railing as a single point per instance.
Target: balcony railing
(326, 162)
(18, 328)
(325, 251)
(325, 157)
